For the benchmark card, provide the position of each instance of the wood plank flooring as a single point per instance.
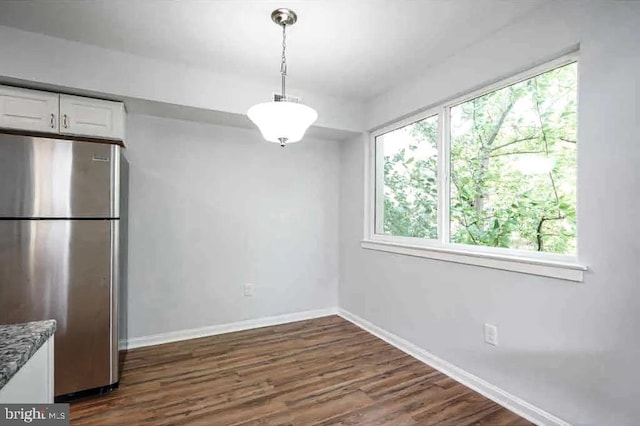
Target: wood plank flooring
(325, 371)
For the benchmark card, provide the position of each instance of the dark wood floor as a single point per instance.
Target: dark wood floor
(323, 371)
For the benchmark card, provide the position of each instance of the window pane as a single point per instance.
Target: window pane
(406, 184)
(513, 165)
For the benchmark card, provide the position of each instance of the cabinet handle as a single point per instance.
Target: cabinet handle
(53, 124)
(65, 121)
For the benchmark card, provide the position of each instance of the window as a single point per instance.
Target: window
(408, 180)
(513, 165)
(493, 173)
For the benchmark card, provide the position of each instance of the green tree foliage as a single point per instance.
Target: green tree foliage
(513, 169)
(410, 180)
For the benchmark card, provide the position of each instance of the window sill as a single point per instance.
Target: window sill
(546, 268)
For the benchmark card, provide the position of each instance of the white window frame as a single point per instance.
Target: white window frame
(554, 265)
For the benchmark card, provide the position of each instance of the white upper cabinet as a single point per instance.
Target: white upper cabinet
(91, 117)
(28, 109)
(45, 112)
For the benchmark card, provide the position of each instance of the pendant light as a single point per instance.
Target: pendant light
(283, 120)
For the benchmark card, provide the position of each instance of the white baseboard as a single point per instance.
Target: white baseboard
(194, 333)
(511, 402)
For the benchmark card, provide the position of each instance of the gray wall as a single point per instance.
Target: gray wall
(212, 208)
(570, 349)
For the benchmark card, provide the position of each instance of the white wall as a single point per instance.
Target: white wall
(212, 208)
(570, 349)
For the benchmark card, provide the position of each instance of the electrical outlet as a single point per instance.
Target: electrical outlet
(249, 289)
(491, 334)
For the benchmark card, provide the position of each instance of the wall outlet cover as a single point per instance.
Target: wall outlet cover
(249, 289)
(491, 334)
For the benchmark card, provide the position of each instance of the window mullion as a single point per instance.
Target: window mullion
(440, 143)
(444, 174)
(378, 170)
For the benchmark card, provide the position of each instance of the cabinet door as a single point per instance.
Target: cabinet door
(91, 117)
(28, 109)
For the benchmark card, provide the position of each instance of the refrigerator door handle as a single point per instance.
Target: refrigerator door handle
(115, 182)
(113, 301)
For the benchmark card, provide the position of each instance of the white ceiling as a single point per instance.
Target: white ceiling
(345, 48)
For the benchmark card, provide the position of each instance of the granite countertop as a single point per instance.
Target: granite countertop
(18, 343)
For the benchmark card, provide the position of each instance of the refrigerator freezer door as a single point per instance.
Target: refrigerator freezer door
(62, 269)
(55, 178)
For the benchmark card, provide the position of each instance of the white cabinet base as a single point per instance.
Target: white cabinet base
(33, 383)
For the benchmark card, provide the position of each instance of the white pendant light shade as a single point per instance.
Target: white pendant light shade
(282, 120)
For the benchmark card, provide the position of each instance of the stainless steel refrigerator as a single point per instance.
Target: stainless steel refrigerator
(60, 238)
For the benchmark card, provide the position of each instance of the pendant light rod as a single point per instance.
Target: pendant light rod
(284, 17)
(283, 63)
(283, 73)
